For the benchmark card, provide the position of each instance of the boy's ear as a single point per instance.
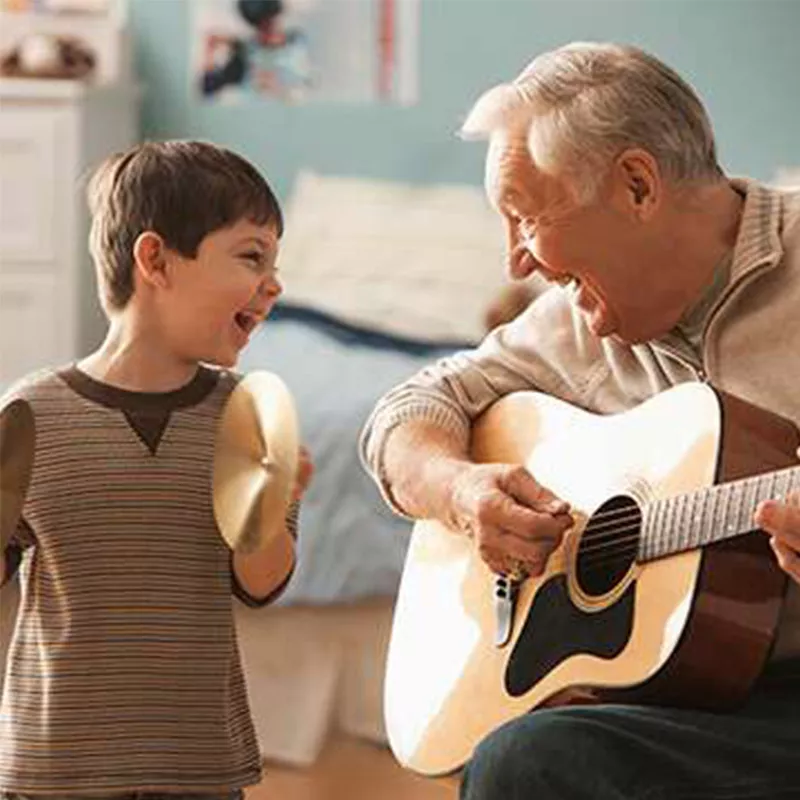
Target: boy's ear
(150, 257)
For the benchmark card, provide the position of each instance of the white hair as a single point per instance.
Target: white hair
(583, 104)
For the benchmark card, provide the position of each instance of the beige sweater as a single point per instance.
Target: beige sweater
(751, 348)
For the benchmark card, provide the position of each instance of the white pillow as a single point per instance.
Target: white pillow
(422, 262)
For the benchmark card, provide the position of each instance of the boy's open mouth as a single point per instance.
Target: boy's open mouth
(246, 321)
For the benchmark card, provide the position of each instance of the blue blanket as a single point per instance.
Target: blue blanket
(351, 544)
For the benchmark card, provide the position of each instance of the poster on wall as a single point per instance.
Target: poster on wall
(300, 51)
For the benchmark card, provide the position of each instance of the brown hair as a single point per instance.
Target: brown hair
(181, 190)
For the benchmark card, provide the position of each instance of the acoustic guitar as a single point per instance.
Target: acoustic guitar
(660, 593)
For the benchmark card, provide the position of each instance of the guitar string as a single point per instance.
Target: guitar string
(606, 550)
(612, 518)
(601, 551)
(743, 486)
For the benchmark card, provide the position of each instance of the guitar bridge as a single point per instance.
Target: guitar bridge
(505, 599)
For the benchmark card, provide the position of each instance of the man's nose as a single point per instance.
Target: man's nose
(522, 263)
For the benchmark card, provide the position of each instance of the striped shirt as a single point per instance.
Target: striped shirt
(124, 673)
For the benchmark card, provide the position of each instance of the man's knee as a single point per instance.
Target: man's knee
(526, 757)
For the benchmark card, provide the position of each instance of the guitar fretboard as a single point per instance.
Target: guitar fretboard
(688, 521)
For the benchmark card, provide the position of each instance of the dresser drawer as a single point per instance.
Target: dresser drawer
(31, 171)
(32, 334)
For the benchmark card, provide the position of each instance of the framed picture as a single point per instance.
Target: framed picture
(298, 51)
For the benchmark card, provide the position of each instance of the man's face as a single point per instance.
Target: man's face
(600, 250)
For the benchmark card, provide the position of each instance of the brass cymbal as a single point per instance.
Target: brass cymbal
(17, 446)
(255, 461)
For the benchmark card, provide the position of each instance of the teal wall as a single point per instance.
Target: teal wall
(743, 57)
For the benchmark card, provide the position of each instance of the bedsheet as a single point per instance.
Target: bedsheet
(351, 545)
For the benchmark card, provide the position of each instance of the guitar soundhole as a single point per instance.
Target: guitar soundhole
(608, 545)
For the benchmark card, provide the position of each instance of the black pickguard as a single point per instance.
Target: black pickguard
(555, 629)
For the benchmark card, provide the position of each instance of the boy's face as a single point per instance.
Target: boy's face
(214, 301)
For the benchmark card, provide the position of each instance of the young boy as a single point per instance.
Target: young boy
(124, 677)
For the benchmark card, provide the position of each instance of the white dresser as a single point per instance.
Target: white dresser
(51, 134)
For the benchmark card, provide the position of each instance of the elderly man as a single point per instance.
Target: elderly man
(602, 165)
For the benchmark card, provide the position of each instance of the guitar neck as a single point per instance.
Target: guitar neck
(692, 520)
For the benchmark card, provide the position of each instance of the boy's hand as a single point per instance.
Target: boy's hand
(305, 470)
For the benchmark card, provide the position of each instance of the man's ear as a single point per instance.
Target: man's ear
(150, 258)
(639, 181)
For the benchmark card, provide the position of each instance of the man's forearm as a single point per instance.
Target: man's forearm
(421, 462)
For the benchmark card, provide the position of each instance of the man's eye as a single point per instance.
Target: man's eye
(526, 230)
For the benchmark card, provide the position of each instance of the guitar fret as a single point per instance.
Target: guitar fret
(656, 542)
(752, 499)
(710, 515)
(686, 528)
(782, 486)
(695, 519)
(669, 521)
(663, 538)
(702, 515)
(653, 545)
(718, 515)
(740, 510)
(733, 511)
(679, 528)
(789, 477)
(725, 508)
(773, 483)
(762, 493)
(691, 531)
(688, 522)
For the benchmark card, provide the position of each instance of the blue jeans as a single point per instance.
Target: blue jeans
(614, 752)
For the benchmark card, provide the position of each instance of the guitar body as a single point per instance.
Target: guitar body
(689, 629)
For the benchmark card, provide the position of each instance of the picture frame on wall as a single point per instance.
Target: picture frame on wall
(298, 51)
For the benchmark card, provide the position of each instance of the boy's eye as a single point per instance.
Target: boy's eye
(259, 262)
(256, 259)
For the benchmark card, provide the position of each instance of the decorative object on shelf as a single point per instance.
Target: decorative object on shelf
(17, 5)
(84, 40)
(80, 6)
(42, 55)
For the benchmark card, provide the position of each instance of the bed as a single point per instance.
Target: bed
(380, 279)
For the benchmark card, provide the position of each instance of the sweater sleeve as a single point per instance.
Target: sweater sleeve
(547, 348)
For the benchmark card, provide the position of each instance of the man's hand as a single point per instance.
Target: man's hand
(516, 523)
(781, 520)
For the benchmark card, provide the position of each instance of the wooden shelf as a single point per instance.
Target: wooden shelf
(47, 89)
